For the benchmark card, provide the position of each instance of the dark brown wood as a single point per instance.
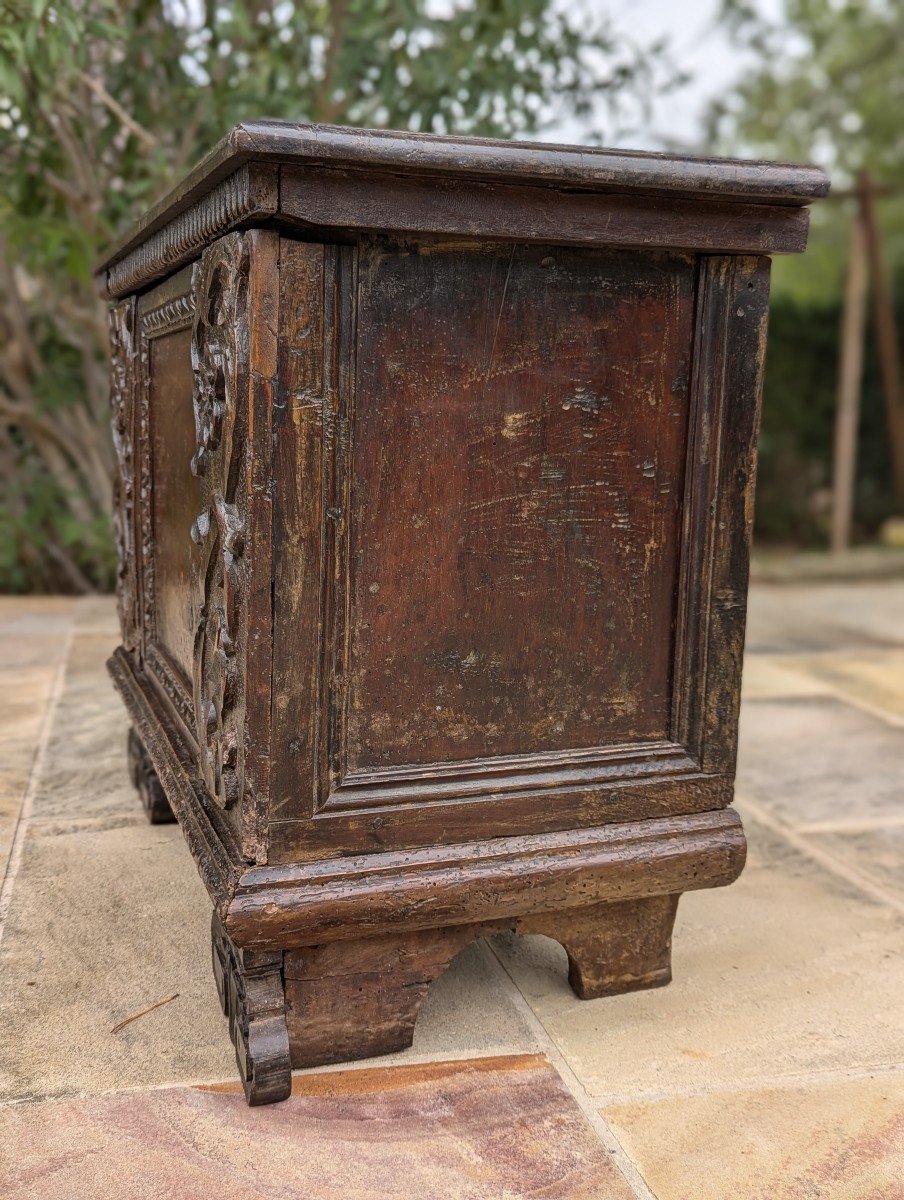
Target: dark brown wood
(252, 995)
(326, 200)
(347, 1000)
(240, 182)
(247, 195)
(613, 948)
(535, 504)
(501, 878)
(122, 403)
(146, 782)
(433, 511)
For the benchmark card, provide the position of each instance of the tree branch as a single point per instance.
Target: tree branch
(147, 139)
(322, 105)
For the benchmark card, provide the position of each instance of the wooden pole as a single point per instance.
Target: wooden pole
(886, 334)
(850, 373)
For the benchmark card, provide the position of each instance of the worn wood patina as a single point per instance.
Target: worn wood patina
(436, 468)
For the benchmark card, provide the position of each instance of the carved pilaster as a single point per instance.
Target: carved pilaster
(122, 399)
(220, 572)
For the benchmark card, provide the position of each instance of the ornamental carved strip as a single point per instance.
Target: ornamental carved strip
(122, 400)
(250, 193)
(220, 570)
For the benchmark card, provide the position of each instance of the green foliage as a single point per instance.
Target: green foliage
(103, 103)
(43, 546)
(826, 85)
(794, 476)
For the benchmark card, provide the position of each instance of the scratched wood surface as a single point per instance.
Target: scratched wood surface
(518, 447)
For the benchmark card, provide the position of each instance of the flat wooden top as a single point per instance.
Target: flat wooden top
(486, 160)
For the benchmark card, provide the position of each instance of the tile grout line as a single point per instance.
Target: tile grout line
(573, 1085)
(873, 710)
(825, 858)
(231, 1085)
(23, 820)
(792, 1080)
(867, 825)
(831, 689)
(605, 1100)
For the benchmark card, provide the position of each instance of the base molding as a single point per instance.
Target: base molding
(358, 998)
(147, 783)
(498, 880)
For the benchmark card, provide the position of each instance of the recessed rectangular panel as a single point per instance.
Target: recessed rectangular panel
(517, 463)
(175, 491)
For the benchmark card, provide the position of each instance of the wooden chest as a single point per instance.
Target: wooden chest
(436, 464)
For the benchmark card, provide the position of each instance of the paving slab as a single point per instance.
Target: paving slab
(96, 614)
(108, 915)
(106, 921)
(103, 922)
(84, 776)
(777, 677)
(32, 640)
(497, 1129)
(778, 1039)
(802, 619)
(840, 1139)
(817, 760)
(789, 970)
(878, 854)
(875, 681)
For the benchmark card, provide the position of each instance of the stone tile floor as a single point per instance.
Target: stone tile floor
(771, 1069)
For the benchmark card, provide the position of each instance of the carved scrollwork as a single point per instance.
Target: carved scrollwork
(220, 570)
(252, 995)
(122, 399)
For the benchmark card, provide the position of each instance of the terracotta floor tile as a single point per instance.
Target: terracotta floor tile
(496, 1129)
(837, 1140)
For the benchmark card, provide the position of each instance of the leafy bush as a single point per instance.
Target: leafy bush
(796, 443)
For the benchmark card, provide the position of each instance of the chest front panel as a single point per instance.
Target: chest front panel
(517, 454)
(506, 480)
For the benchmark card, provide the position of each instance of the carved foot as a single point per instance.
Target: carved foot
(250, 986)
(355, 999)
(613, 948)
(144, 779)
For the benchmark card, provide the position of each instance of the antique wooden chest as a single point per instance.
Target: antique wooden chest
(436, 464)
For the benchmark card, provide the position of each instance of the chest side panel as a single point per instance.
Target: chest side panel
(175, 498)
(518, 446)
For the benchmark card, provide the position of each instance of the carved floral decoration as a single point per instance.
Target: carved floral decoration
(220, 572)
(122, 319)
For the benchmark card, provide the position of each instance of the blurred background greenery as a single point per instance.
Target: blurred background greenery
(105, 104)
